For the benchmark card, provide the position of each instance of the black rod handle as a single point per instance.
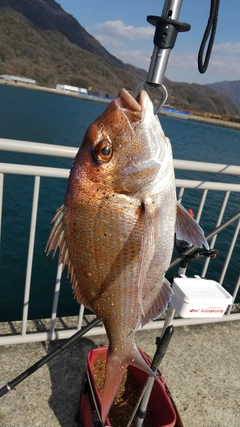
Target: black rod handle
(60, 347)
(162, 345)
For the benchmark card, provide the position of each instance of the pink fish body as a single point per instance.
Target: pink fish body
(116, 228)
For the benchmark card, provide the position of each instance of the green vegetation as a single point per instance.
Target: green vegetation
(40, 41)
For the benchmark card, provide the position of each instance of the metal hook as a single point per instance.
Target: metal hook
(161, 88)
(140, 87)
(167, 28)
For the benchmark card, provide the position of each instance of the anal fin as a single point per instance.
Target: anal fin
(159, 304)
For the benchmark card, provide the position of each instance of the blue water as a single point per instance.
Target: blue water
(56, 119)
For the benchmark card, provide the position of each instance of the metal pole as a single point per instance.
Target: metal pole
(167, 27)
(30, 253)
(60, 347)
(160, 56)
(162, 345)
(234, 295)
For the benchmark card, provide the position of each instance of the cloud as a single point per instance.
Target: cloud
(225, 60)
(225, 66)
(138, 58)
(134, 45)
(228, 48)
(224, 63)
(184, 60)
(116, 33)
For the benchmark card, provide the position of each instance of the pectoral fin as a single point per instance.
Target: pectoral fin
(148, 247)
(188, 229)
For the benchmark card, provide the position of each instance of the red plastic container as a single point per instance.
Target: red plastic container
(161, 406)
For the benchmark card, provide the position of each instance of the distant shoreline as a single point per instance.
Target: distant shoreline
(199, 119)
(55, 91)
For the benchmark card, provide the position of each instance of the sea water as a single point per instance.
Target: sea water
(39, 116)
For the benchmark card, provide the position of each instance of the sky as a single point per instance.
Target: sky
(121, 27)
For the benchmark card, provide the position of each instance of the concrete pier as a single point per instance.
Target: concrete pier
(201, 368)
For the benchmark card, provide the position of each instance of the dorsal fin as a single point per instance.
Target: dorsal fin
(57, 240)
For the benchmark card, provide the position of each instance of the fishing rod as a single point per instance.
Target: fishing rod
(216, 230)
(74, 338)
(162, 345)
(60, 347)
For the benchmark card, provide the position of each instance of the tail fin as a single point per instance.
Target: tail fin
(115, 370)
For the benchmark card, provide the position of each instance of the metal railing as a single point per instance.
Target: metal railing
(201, 186)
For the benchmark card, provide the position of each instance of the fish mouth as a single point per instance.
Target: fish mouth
(133, 108)
(138, 110)
(143, 164)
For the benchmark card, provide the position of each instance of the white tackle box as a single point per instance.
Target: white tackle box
(196, 297)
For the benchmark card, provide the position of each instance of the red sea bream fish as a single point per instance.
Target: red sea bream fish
(116, 228)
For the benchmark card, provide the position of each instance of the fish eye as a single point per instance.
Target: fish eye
(103, 151)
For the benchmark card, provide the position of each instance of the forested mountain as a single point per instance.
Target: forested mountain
(39, 40)
(228, 88)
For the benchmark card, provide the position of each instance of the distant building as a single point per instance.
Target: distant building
(102, 95)
(17, 79)
(74, 89)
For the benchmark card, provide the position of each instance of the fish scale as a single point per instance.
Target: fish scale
(107, 251)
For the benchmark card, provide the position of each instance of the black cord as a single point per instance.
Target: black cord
(209, 33)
